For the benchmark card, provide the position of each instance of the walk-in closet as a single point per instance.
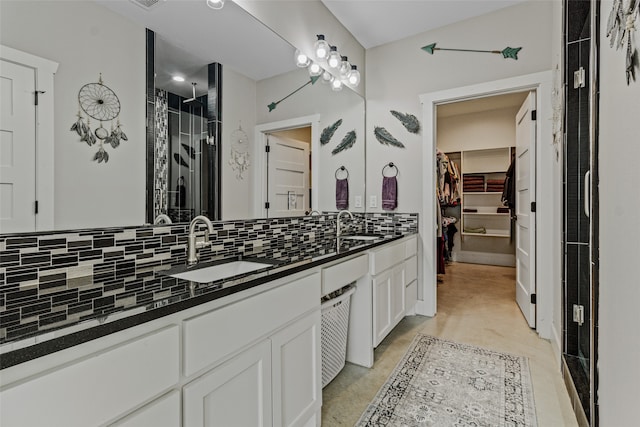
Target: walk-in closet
(475, 150)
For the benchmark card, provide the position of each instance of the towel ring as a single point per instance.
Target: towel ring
(390, 165)
(342, 168)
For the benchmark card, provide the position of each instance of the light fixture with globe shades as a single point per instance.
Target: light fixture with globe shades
(334, 60)
(354, 76)
(328, 64)
(315, 69)
(321, 48)
(302, 60)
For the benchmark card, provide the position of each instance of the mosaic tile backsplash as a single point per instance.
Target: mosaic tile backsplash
(52, 280)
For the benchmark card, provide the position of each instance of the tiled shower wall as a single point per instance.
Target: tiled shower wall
(54, 279)
(161, 147)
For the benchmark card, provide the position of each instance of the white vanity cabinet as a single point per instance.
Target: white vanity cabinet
(236, 393)
(94, 387)
(249, 359)
(256, 362)
(389, 273)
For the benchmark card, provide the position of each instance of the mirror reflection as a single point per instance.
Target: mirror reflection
(107, 38)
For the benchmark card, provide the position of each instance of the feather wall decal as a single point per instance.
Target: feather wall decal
(178, 158)
(327, 133)
(347, 142)
(384, 137)
(620, 29)
(409, 121)
(190, 150)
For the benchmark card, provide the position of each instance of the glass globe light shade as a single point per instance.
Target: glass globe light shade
(321, 48)
(315, 69)
(302, 60)
(354, 76)
(215, 4)
(334, 58)
(336, 85)
(327, 77)
(345, 67)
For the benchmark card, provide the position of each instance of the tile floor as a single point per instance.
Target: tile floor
(476, 305)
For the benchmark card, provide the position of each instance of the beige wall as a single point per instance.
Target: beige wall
(398, 72)
(619, 322)
(87, 40)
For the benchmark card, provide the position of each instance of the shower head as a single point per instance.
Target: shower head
(193, 98)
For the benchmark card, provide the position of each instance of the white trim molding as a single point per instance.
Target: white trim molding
(261, 131)
(44, 72)
(547, 252)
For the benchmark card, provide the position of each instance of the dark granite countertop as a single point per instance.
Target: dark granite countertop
(184, 295)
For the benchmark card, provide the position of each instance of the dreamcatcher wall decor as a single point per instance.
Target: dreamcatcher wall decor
(100, 103)
(621, 27)
(239, 160)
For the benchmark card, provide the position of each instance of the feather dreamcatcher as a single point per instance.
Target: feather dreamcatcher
(620, 29)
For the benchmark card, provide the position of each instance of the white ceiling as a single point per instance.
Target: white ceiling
(193, 35)
(376, 22)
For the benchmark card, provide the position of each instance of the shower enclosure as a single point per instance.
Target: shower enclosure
(580, 236)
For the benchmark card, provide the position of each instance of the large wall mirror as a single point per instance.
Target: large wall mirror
(93, 40)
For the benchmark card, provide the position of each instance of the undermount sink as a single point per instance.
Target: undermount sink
(220, 271)
(362, 236)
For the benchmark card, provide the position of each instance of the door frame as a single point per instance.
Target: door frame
(44, 161)
(548, 254)
(259, 191)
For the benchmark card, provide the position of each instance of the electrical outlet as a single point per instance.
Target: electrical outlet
(373, 201)
(358, 201)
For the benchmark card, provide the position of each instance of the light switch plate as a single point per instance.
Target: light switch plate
(358, 201)
(373, 201)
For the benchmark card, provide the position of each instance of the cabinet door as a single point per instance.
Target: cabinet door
(381, 306)
(397, 294)
(163, 412)
(237, 393)
(297, 372)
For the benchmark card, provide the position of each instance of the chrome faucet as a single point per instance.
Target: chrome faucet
(338, 228)
(193, 243)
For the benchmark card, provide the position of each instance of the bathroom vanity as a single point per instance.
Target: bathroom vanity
(243, 350)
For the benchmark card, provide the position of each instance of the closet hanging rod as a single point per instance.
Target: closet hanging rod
(390, 165)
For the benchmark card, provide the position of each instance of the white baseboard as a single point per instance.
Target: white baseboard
(424, 309)
(556, 345)
(506, 260)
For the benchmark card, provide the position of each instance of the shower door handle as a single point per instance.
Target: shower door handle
(587, 194)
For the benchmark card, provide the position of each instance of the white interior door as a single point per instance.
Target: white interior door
(288, 177)
(525, 196)
(17, 148)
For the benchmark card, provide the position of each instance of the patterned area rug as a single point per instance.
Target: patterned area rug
(443, 383)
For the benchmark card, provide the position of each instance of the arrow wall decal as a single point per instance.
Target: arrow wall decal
(507, 53)
(273, 105)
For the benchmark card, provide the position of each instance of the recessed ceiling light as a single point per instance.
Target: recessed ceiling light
(178, 78)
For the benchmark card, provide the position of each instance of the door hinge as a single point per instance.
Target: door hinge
(534, 115)
(267, 148)
(578, 78)
(37, 93)
(578, 314)
(533, 206)
(35, 207)
(533, 299)
(266, 205)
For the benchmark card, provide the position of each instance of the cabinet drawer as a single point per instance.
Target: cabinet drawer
(163, 412)
(411, 247)
(411, 270)
(98, 388)
(342, 274)
(212, 336)
(386, 257)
